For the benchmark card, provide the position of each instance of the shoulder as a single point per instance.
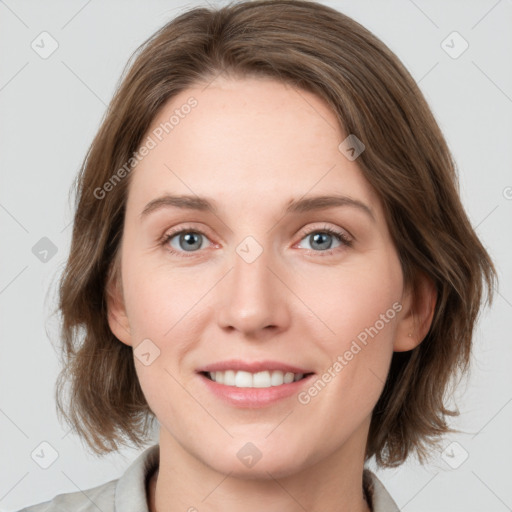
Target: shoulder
(89, 500)
(127, 493)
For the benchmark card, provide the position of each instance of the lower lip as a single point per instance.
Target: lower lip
(254, 397)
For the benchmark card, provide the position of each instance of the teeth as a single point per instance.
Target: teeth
(229, 377)
(263, 379)
(243, 380)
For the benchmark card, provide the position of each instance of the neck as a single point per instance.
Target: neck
(327, 485)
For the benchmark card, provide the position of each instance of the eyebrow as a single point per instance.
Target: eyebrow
(302, 205)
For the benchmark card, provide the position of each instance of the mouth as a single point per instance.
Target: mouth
(261, 379)
(253, 384)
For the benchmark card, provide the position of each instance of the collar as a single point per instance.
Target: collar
(379, 498)
(130, 493)
(131, 496)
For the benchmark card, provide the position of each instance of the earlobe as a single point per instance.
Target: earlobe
(417, 314)
(116, 310)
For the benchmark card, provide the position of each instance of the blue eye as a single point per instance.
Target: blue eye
(190, 241)
(187, 240)
(323, 238)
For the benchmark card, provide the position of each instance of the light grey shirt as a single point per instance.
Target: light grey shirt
(128, 493)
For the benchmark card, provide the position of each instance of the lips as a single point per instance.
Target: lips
(252, 367)
(255, 374)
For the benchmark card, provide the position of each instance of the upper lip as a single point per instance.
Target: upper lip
(251, 366)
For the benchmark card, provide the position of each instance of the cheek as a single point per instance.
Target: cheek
(365, 304)
(357, 297)
(157, 299)
(360, 305)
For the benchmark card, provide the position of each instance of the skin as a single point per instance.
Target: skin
(252, 145)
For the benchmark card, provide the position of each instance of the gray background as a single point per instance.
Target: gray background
(50, 110)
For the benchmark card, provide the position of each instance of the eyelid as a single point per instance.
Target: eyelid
(346, 239)
(169, 234)
(329, 229)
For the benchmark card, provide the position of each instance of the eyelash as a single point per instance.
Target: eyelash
(342, 237)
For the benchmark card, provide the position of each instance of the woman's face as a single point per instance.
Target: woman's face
(257, 286)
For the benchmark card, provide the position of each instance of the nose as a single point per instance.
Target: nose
(253, 298)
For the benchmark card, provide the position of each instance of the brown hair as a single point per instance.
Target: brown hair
(406, 160)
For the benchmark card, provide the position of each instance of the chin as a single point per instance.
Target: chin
(262, 470)
(260, 460)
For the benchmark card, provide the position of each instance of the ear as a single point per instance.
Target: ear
(418, 306)
(116, 310)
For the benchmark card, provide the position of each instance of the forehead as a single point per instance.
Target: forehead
(240, 140)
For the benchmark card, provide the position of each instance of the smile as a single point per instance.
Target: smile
(262, 379)
(253, 384)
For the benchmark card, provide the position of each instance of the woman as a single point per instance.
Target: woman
(269, 257)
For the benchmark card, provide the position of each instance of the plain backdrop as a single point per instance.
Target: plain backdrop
(50, 109)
